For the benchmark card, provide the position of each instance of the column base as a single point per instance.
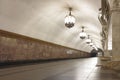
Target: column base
(102, 60)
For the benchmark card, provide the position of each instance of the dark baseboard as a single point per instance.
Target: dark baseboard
(8, 64)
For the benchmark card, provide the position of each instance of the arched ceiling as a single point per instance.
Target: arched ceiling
(44, 20)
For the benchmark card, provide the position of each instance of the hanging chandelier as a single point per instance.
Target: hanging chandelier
(88, 41)
(82, 34)
(95, 47)
(69, 19)
(91, 43)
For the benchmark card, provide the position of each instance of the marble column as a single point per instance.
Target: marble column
(115, 21)
(105, 39)
(106, 43)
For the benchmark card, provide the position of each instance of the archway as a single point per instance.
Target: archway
(95, 53)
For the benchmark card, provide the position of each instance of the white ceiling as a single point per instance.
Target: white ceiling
(44, 20)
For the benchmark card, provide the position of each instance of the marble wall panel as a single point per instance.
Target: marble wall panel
(14, 47)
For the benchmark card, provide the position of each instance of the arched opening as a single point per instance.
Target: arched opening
(95, 53)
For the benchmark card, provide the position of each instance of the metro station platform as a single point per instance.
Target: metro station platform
(74, 69)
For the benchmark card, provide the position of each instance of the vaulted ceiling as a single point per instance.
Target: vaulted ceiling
(44, 20)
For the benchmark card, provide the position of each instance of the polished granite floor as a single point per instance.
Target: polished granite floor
(75, 69)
